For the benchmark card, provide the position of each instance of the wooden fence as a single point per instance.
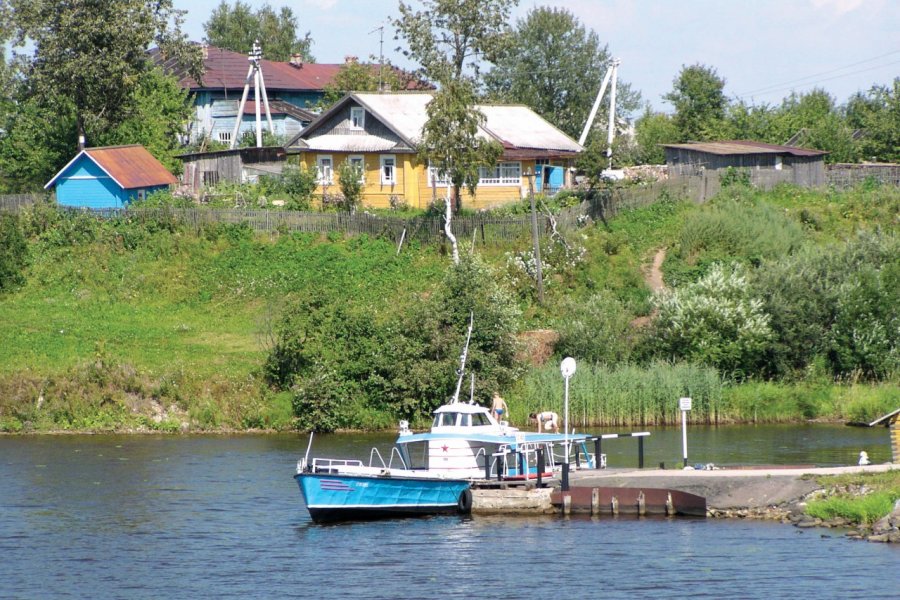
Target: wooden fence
(484, 228)
(843, 176)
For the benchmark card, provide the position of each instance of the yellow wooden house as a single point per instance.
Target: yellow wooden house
(379, 132)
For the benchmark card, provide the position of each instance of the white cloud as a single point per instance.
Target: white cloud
(840, 7)
(320, 4)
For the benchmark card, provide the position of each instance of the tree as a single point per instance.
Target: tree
(877, 114)
(555, 66)
(13, 253)
(450, 35)
(355, 76)
(446, 38)
(350, 180)
(651, 130)
(699, 101)
(450, 142)
(236, 27)
(161, 113)
(817, 117)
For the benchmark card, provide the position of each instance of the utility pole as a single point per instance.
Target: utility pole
(380, 30)
(535, 239)
(254, 75)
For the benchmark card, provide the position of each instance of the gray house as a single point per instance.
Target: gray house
(768, 164)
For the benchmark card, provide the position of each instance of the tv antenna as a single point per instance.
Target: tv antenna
(380, 30)
(254, 75)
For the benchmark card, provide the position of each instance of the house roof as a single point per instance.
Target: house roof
(732, 147)
(129, 166)
(280, 107)
(224, 69)
(521, 131)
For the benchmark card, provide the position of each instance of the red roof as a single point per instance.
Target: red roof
(131, 166)
(227, 69)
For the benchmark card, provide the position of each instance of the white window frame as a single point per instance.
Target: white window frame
(224, 137)
(503, 173)
(322, 170)
(357, 117)
(361, 161)
(382, 162)
(434, 180)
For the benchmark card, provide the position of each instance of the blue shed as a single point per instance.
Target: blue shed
(110, 177)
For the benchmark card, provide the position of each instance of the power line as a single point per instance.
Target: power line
(809, 83)
(779, 86)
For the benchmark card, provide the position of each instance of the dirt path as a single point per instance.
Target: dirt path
(653, 275)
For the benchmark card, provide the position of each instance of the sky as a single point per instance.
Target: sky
(764, 49)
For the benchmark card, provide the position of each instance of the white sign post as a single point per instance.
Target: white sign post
(685, 405)
(567, 368)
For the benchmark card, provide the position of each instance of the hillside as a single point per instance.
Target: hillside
(128, 326)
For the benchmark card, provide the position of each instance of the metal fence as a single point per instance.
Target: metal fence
(846, 176)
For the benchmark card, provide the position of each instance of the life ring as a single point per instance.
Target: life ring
(464, 504)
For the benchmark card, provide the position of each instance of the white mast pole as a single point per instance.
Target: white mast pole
(240, 113)
(590, 121)
(612, 113)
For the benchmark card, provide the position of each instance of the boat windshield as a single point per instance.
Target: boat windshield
(451, 419)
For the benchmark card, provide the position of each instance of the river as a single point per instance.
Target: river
(110, 516)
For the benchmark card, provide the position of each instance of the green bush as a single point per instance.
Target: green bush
(13, 253)
(597, 330)
(351, 184)
(857, 509)
(715, 321)
(299, 184)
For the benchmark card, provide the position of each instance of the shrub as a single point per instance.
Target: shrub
(349, 179)
(715, 321)
(13, 253)
(299, 184)
(596, 330)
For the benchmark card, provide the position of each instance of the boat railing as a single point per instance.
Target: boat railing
(390, 465)
(328, 464)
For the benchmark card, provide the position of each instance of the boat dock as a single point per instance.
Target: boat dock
(672, 492)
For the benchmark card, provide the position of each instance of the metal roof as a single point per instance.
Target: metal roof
(519, 129)
(129, 166)
(730, 147)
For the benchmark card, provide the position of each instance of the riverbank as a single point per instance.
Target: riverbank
(781, 494)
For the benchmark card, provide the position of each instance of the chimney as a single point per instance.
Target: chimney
(351, 59)
(297, 61)
(205, 50)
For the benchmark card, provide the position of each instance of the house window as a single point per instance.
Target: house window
(779, 163)
(357, 162)
(324, 168)
(435, 180)
(141, 195)
(388, 170)
(357, 117)
(225, 137)
(210, 178)
(506, 173)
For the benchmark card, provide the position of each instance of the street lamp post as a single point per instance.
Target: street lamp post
(567, 368)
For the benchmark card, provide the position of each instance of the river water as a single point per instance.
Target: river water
(221, 516)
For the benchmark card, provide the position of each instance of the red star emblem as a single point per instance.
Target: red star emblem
(445, 447)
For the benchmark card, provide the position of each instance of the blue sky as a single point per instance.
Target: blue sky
(763, 48)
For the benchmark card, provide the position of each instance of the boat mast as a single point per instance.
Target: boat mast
(462, 360)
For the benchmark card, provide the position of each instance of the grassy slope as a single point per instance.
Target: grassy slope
(184, 319)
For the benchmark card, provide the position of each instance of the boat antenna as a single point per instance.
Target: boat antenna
(308, 448)
(462, 360)
(472, 390)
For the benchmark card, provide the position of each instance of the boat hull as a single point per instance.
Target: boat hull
(342, 497)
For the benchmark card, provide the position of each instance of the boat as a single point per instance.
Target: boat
(432, 472)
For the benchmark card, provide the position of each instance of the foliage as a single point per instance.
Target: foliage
(715, 321)
(699, 101)
(93, 55)
(861, 498)
(36, 143)
(299, 184)
(620, 395)
(803, 292)
(354, 76)
(449, 36)
(652, 130)
(450, 142)
(350, 180)
(161, 112)
(555, 66)
(877, 113)
(596, 331)
(13, 253)
(236, 27)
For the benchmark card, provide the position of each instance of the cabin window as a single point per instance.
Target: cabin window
(505, 173)
(225, 137)
(356, 161)
(210, 178)
(357, 117)
(142, 194)
(479, 419)
(324, 168)
(388, 170)
(465, 420)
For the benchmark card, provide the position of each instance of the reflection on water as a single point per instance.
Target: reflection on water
(160, 516)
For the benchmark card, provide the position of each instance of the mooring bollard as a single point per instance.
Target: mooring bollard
(614, 505)
(567, 504)
(670, 506)
(641, 504)
(595, 501)
(540, 467)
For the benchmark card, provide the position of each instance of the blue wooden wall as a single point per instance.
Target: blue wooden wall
(86, 185)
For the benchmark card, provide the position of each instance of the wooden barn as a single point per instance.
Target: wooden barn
(110, 177)
(203, 170)
(767, 164)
